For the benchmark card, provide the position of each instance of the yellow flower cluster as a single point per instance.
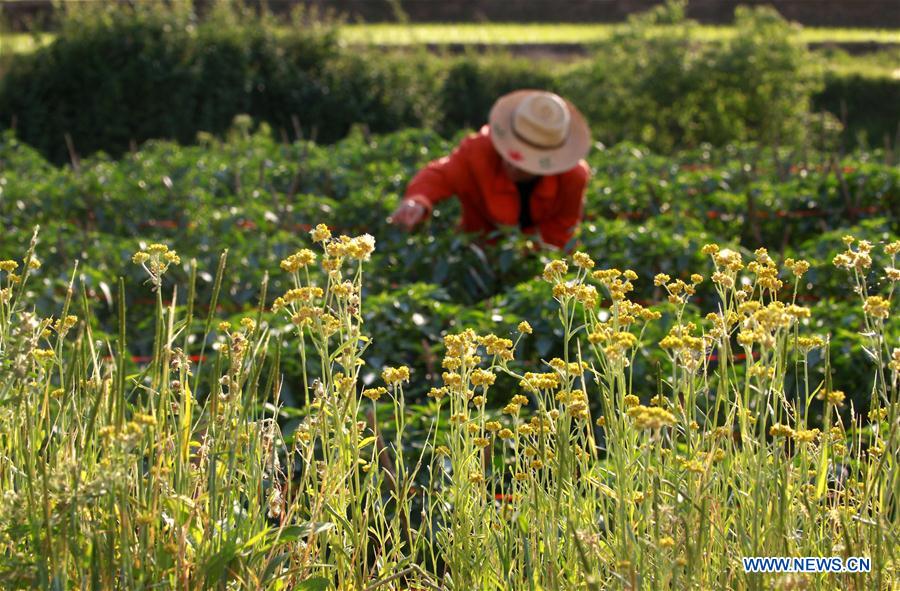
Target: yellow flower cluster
(554, 271)
(359, 248)
(156, 260)
(583, 260)
(678, 291)
(584, 294)
(496, 346)
(807, 344)
(9, 266)
(320, 233)
(859, 259)
(895, 360)
(303, 294)
(395, 375)
(835, 397)
(877, 307)
(765, 270)
(482, 377)
(763, 322)
(535, 382)
(798, 268)
(374, 393)
(800, 435)
(64, 325)
(300, 259)
(461, 345)
(650, 417)
(568, 369)
(616, 282)
(43, 355)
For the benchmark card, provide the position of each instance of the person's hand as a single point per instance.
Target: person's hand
(408, 214)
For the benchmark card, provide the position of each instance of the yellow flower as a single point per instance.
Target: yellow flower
(779, 430)
(877, 307)
(482, 377)
(374, 393)
(320, 233)
(524, 327)
(298, 260)
(806, 435)
(555, 270)
(895, 360)
(9, 266)
(651, 417)
(492, 426)
(835, 397)
(395, 375)
(361, 247)
(437, 393)
(42, 355)
(303, 294)
(582, 260)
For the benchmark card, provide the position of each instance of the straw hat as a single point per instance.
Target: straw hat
(539, 132)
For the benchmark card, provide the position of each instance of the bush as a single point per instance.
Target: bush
(671, 90)
(131, 74)
(863, 103)
(117, 76)
(473, 84)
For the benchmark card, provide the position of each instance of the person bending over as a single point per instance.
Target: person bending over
(525, 168)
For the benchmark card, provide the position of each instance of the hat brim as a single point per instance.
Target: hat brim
(527, 156)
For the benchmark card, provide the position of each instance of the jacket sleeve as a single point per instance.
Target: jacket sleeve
(559, 229)
(441, 178)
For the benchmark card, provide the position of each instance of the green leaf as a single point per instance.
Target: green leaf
(314, 584)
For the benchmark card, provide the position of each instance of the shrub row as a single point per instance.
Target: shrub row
(118, 76)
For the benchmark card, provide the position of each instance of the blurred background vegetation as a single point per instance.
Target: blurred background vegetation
(108, 76)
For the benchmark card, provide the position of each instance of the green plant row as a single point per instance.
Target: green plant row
(257, 197)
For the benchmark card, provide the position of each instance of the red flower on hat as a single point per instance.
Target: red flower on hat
(515, 155)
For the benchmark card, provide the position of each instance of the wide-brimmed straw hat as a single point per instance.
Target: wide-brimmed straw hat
(539, 132)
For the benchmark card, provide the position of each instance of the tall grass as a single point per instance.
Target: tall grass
(178, 476)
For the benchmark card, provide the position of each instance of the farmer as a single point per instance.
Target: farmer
(524, 168)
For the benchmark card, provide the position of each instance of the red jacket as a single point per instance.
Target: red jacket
(489, 198)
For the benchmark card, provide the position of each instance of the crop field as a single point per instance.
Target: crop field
(223, 368)
(387, 34)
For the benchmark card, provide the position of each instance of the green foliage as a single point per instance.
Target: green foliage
(130, 75)
(472, 85)
(672, 90)
(258, 197)
(852, 97)
(116, 76)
